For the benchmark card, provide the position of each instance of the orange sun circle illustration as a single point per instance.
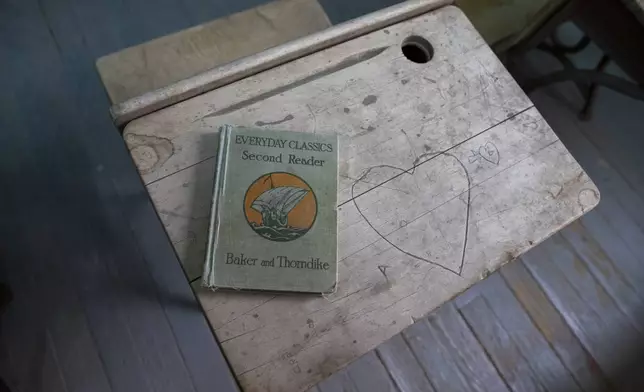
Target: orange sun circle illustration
(280, 206)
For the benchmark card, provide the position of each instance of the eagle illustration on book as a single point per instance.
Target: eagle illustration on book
(285, 192)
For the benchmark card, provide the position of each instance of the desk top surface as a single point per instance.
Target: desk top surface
(447, 171)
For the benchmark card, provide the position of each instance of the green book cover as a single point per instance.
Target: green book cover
(274, 220)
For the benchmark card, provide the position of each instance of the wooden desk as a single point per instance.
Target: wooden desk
(447, 172)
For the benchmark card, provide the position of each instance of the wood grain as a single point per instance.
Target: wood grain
(369, 374)
(511, 364)
(553, 327)
(630, 263)
(612, 275)
(163, 61)
(446, 173)
(435, 358)
(605, 335)
(623, 224)
(589, 287)
(510, 320)
(468, 356)
(450, 355)
(403, 366)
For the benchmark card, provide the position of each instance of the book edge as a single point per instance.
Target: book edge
(208, 279)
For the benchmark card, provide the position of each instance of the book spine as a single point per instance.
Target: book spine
(208, 279)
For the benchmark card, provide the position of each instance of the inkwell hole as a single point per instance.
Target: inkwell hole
(417, 49)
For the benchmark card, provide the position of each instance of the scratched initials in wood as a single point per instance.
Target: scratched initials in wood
(488, 152)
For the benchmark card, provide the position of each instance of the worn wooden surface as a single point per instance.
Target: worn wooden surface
(160, 62)
(566, 315)
(447, 172)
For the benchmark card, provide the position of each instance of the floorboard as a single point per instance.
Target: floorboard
(467, 354)
(618, 251)
(582, 280)
(434, 358)
(338, 382)
(554, 328)
(369, 374)
(611, 348)
(100, 301)
(509, 361)
(623, 224)
(506, 311)
(402, 366)
(617, 283)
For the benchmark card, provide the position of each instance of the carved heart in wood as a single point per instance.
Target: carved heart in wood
(439, 184)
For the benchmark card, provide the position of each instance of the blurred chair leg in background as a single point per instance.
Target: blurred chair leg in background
(615, 26)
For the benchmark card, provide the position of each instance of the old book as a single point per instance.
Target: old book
(273, 220)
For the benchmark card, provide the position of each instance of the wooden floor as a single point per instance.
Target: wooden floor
(566, 316)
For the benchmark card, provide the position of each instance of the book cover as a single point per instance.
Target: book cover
(274, 220)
